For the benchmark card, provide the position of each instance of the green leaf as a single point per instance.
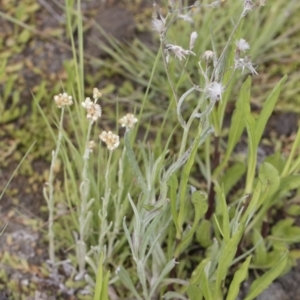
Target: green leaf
(168, 267)
(173, 295)
(267, 110)
(235, 131)
(203, 235)
(290, 182)
(224, 212)
(252, 152)
(232, 176)
(228, 252)
(207, 293)
(252, 207)
(194, 293)
(200, 203)
(270, 180)
(99, 279)
(276, 160)
(197, 273)
(134, 164)
(285, 231)
(126, 280)
(239, 276)
(104, 293)
(243, 102)
(262, 283)
(173, 184)
(260, 250)
(237, 123)
(292, 163)
(184, 183)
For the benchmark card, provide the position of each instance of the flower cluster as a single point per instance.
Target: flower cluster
(178, 51)
(93, 109)
(243, 63)
(62, 100)
(128, 121)
(94, 112)
(96, 94)
(111, 140)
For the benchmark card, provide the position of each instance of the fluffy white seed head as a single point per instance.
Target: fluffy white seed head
(242, 45)
(214, 91)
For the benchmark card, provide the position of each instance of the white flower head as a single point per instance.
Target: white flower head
(111, 140)
(96, 93)
(128, 121)
(193, 38)
(158, 25)
(248, 6)
(242, 45)
(179, 52)
(208, 55)
(245, 63)
(214, 91)
(93, 109)
(62, 100)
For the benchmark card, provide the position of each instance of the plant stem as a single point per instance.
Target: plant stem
(49, 196)
(84, 193)
(211, 193)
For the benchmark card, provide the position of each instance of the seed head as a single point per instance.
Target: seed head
(242, 45)
(248, 6)
(179, 52)
(63, 100)
(208, 55)
(245, 63)
(158, 25)
(215, 91)
(111, 140)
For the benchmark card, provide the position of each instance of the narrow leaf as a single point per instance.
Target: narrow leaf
(224, 212)
(200, 204)
(168, 267)
(184, 182)
(99, 279)
(227, 255)
(126, 280)
(261, 283)
(267, 109)
(173, 184)
(134, 164)
(239, 276)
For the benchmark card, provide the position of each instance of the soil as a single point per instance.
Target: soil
(24, 273)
